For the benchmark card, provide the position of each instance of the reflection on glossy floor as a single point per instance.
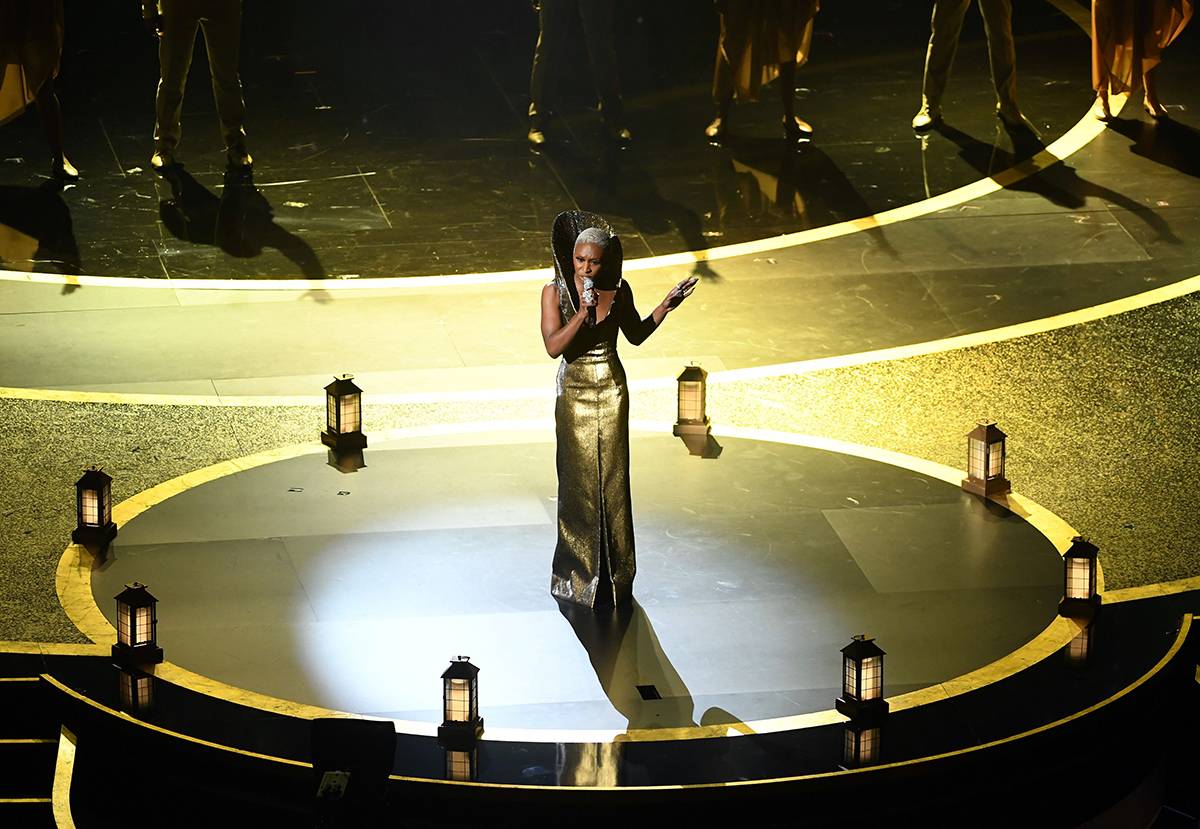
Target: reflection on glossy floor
(369, 143)
(352, 592)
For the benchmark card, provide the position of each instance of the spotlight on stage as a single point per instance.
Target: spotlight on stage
(136, 690)
(94, 527)
(862, 682)
(1080, 563)
(461, 726)
(985, 461)
(861, 745)
(137, 627)
(343, 416)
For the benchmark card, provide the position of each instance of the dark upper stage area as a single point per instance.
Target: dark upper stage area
(389, 139)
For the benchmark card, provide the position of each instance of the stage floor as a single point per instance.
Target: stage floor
(353, 592)
(379, 155)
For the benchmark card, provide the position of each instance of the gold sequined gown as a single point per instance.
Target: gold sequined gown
(594, 561)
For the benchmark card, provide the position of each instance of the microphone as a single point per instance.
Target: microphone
(589, 295)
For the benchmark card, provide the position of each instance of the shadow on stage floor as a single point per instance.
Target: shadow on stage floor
(392, 138)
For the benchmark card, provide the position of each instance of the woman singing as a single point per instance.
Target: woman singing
(582, 309)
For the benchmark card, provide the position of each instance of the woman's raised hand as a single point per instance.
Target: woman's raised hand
(680, 292)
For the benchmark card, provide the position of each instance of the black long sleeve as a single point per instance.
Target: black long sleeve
(635, 329)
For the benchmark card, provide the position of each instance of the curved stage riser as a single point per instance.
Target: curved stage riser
(1100, 728)
(353, 592)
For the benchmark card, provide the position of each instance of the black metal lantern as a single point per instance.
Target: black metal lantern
(692, 416)
(985, 461)
(343, 415)
(136, 690)
(137, 627)
(862, 681)
(861, 745)
(94, 527)
(461, 765)
(1080, 566)
(461, 723)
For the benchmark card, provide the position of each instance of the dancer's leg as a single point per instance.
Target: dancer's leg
(1002, 54)
(945, 26)
(50, 114)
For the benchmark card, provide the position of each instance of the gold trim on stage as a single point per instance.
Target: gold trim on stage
(75, 593)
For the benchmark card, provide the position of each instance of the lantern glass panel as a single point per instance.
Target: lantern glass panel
(351, 411)
(995, 465)
(106, 505)
(458, 700)
(458, 765)
(849, 678)
(872, 677)
(1078, 648)
(868, 746)
(691, 401)
(143, 626)
(89, 503)
(331, 413)
(124, 625)
(1079, 578)
(850, 747)
(976, 459)
(137, 693)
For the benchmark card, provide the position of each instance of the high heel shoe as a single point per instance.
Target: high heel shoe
(1155, 110)
(1101, 109)
(797, 129)
(63, 170)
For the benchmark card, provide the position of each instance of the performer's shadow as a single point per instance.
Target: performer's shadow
(241, 222)
(36, 232)
(618, 183)
(1058, 183)
(634, 671)
(757, 182)
(1165, 142)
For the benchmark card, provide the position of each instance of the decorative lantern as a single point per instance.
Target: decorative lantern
(94, 527)
(343, 415)
(461, 725)
(861, 745)
(985, 461)
(862, 681)
(137, 623)
(1080, 565)
(692, 418)
(136, 690)
(1079, 650)
(461, 765)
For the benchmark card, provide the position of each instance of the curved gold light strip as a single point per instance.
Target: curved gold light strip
(75, 593)
(1075, 139)
(1176, 645)
(1184, 629)
(64, 770)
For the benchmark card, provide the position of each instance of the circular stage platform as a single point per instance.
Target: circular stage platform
(353, 592)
